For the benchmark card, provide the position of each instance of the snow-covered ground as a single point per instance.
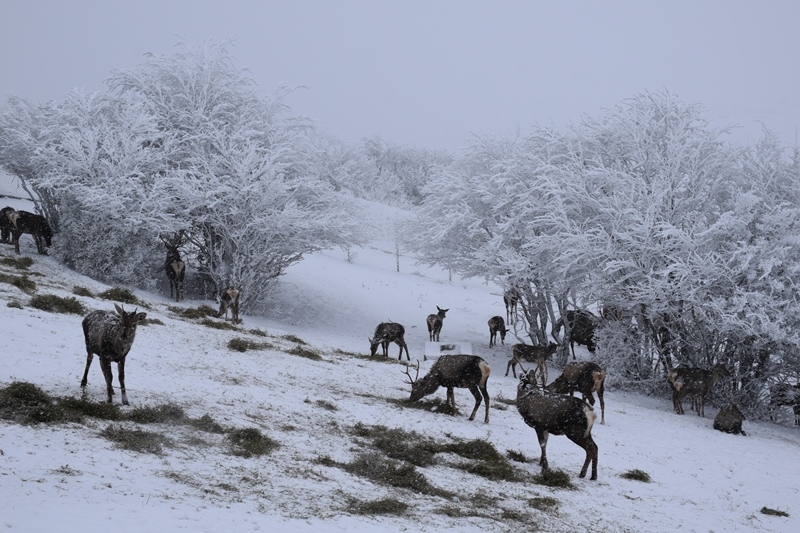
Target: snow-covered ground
(67, 477)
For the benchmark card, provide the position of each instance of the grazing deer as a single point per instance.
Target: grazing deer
(435, 324)
(531, 354)
(585, 377)
(510, 298)
(729, 420)
(558, 414)
(694, 382)
(35, 225)
(497, 325)
(8, 217)
(581, 329)
(385, 333)
(174, 265)
(784, 394)
(110, 335)
(463, 371)
(229, 299)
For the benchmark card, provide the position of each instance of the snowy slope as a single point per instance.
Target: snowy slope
(68, 478)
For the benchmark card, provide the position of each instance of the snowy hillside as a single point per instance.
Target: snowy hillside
(68, 477)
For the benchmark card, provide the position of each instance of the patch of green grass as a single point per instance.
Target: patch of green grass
(217, 324)
(327, 405)
(773, 512)
(517, 456)
(160, 414)
(15, 304)
(292, 338)
(136, 440)
(77, 290)
(121, 295)
(379, 469)
(85, 407)
(202, 311)
(26, 403)
(24, 284)
(207, 424)
(248, 442)
(151, 321)
(57, 304)
(258, 332)
(637, 475)
(385, 506)
(556, 478)
(400, 444)
(304, 352)
(20, 263)
(239, 344)
(339, 351)
(544, 503)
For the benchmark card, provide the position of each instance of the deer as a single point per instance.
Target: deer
(729, 420)
(531, 354)
(8, 221)
(110, 335)
(35, 225)
(581, 329)
(450, 371)
(229, 299)
(497, 326)
(385, 333)
(174, 266)
(510, 299)
(435, 324)
(784, 394)
(694, 382)
(587, 378)
(558, 414)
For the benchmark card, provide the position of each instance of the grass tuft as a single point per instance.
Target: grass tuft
(544, 503)
(24, 284)
(136, 440)
(15, 304)
(554, 478)
(248, 442)
(151, 321)
(385, 506)
(57, 304)
(77, 290)
(773, 512)
(207, 424)
(304, 352)
(160, 414)
(20, 263)
(121, 295)
(239, 344)
(517, 457)
(637, 475)
(379, 469)
(202, 311)
(217, 324)
(85, 407)
(293, 338)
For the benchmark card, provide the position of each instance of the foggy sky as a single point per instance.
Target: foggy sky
(433, 73)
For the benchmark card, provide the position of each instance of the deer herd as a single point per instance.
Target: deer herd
(547, 408)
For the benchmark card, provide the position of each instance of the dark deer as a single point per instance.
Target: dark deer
(581, 329)
(784, 394)
(729, 420)
(8, 219)
(35, 225)
(385, 333)
(110, 335)
(462, 371)
(174, 265)
(510, 298)
(435, 324)
(229, 299)
(531, 354)
(585, 377)
(497, 326)
(696, 383)
(558, 414)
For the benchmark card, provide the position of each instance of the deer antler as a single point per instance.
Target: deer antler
(407, 373)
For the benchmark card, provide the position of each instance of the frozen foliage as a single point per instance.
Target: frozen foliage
(642, 210)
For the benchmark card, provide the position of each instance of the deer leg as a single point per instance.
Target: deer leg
(121, 377)
(602, 406)
(587, 443)
(400, 356)
(542, 436)
(477, 394)
(86, 372)
(677, 402)
(486, 399)
(451, 399)
(105, 366)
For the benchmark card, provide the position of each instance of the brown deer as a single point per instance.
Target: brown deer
(8, 218)
(435, 324)
(229, 299)
(585, 377)
(531, 354)
(558, 414)
(463, 371)
(174, 265)
(385, 333)
(110, 336)
(784, 394)
(497, 326)
(729, 420)
(696, 383)
(510, 299)
(35, 225)
(581, 324)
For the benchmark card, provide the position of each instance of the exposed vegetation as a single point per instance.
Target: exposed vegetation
(544, 503)
(239, 344)
(637, 475)
(151, 321)
(137, 440)
(15, 304)
(304, 352)
(20, 263)
(773, 512)
(384, 471)
(385, 506)
(248, 442)
(217, 324)
(121, 295)
(57, 304)
(293, 338)
(201, 311)
(554, 478)
(24, 284)
(77, 290)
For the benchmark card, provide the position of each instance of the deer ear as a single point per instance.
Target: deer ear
(119, 309)
(141, 316)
